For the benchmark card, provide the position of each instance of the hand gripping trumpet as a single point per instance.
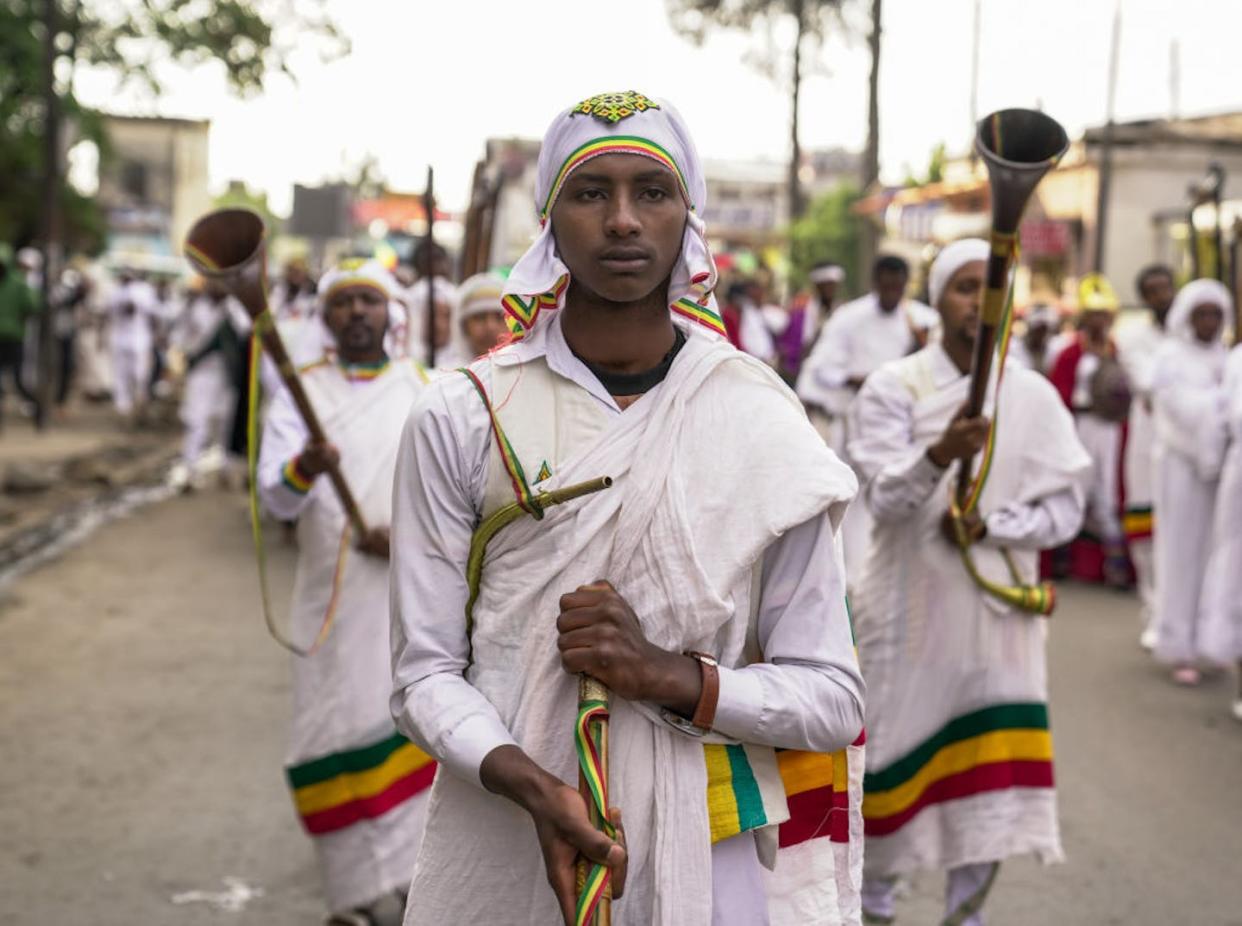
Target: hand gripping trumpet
(1018, 146)
(230, 246)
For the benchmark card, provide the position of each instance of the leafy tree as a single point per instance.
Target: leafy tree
(812, 20)
(240, 195)
(828, 231)
(129, 37)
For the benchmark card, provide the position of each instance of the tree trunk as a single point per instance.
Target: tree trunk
(871, 156)
(50, 231)
(796, 205)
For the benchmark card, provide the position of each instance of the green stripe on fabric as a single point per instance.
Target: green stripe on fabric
(989, 719)
(341, 763)
(750, 812)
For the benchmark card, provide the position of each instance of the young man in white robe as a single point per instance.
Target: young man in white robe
(857, 339)
(959, 755)
(1188, 399)
(1137, 347)
(703, 588)
(1222, 586)
(358, 785)
(439, 311)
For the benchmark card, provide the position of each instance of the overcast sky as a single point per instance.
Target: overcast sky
(428, 81)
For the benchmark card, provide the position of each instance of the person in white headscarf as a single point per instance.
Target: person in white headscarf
(959, 752)
(715, 542)
(1188, 402)
(359, 786)
(1040, 325)
(480, 316)
(450, 351)
(857, 339)
(1222, 584)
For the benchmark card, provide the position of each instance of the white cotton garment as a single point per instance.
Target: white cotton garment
(683, 557)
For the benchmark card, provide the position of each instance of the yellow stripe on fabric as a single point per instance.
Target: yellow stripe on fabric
(805, 771)
(352, 786)
(999, 746)
(722, 811)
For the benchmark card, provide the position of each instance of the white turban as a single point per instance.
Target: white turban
(615, 123)
(949, 261)
(481, 293)
(828, 273)
(1197, 293)
(1043, 314)
(356, 272)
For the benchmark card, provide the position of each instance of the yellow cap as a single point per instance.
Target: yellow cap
(1096, 294)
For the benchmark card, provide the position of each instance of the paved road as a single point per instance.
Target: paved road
(142, 715)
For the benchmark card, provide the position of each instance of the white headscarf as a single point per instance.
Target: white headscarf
(949, 261)
(615, 123)
(1196, 293)
(481, 293)
(418, 298)
(358, 271)
(828, 273)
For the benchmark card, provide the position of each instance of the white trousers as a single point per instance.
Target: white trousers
(1143, 555)
(131, 374)
(962, 885)
(1102, 440)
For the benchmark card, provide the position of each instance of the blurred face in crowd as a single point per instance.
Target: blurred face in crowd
(1037, 335)
(358, 317)
(618, 224)
(827, 291)
(483, 331)
(960, 304)
(442, 318)
(1206, 321)
(295, 275)
(1158, 293)
(1096, 324)
(890, 288)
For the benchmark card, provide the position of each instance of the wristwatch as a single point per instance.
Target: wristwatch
(709, 695)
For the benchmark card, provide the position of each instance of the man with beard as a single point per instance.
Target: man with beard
(358, 785)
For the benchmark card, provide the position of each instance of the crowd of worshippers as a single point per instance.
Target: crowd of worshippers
(1156, 403)
(134, 337)
(750, 588)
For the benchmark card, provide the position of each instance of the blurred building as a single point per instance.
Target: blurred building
(1155, 163)
(152, 186)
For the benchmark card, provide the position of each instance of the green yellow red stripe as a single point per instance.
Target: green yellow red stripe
(508, 456)
(734, 801)
(1138, 523)
(613, 144)
(817, 791)
(998, 747)
(337, 790)
(294, 477)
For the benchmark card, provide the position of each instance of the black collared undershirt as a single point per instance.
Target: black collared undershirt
(627, 384)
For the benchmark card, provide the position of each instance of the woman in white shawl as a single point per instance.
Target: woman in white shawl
(1222, 588)
(1187, 398)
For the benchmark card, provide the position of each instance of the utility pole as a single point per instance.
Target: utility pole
(1106, 148)
(795, 155)
(50, 224)
(1175, 79)
(974, 77)
(868, 244)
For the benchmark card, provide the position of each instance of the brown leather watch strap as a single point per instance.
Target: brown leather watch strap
(705, 710)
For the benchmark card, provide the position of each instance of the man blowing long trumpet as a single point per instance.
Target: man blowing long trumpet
(703, 588)
(959, 757)
(358, 785)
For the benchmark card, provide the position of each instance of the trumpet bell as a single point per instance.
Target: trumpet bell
(1018, 147)
(230, 246)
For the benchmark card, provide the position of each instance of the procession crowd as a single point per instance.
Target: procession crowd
(823, 647)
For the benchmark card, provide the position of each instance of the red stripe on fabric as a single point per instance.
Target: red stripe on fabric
(862, 738)
(814, 814)
(368, 808)
(996, 776)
